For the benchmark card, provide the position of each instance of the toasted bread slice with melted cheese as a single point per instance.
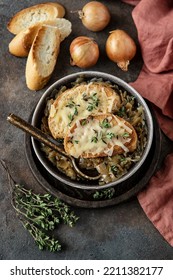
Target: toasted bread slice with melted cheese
(79, 102)
(100, 136)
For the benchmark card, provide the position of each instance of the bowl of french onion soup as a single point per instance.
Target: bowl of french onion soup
(103, 126)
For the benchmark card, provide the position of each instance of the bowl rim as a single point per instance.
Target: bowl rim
(114, 79)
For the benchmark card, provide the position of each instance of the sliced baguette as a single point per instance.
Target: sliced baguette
(100, 136)
(42, 57)
(61, 9)
(64, 26)
(32, 15)
(22, 42)
(79, 102)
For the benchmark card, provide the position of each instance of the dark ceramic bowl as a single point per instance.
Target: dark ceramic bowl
(39, 112)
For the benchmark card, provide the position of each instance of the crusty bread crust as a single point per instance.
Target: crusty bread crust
(31, 15)
(116, 149)
(59, 128)
(64, 26)
(61, 9)
(22, 42)
(42, 57)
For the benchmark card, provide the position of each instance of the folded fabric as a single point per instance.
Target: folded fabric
(154, 21)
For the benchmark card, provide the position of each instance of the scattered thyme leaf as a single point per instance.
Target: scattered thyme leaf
(104, 194)
(113, 168)
(84, 122)
(94, 102)
(39, 213)
(105, 124)
(110, 135)
(70, 116)
(125, 134)
(121, 112)
(94, 139)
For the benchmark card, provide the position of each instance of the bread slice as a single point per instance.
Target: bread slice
(100, 136)
(22, 42)
(60, 8)
(34, 14)
(42, 57)
(79, 102)
(64, 26)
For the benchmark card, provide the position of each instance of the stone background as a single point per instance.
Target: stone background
(119, 232)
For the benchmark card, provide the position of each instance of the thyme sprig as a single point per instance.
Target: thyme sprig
(39, 213)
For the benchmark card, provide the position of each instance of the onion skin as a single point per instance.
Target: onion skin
(95, 16)
(84, 52)
(120, 48)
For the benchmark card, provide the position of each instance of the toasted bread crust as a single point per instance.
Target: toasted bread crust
(31, 15)
(22, 42)
(60, 8)
(38, 67)
(107, 150)
(58, 109)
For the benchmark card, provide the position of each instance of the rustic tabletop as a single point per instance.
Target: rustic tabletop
(118, 232)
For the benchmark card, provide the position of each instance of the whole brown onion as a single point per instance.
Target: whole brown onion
(120, 48)
(84, 52)
(95, 16)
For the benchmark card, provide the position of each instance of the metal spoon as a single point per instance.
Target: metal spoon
(47, 140)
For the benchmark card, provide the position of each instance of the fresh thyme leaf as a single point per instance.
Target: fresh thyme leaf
(104, 194)
(40, 213)
(121, 112)
(75, 111)
(94, 139)
(70, 116)
(84, 122)
(85, 97)
(110, 135)
(114, 168)
(94, 102)
(125, 134)
(44, 241)
(90, 107)
(105, 124)
(76, 141)
(71, 104)
(122, 159)
(94, 97)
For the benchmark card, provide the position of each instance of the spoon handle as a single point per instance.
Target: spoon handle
(35, 132)
(47, 140)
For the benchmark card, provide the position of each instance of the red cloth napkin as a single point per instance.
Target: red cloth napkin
(154, 23)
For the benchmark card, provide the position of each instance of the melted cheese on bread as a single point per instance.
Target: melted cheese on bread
(100, 136)
(79, 102)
